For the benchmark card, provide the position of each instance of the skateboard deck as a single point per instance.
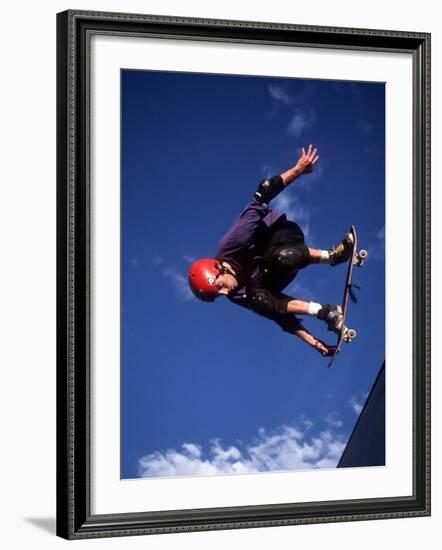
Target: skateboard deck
(356, 259)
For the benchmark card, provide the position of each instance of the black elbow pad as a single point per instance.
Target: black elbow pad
(268, 189)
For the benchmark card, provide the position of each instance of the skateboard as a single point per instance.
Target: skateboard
(357, 259)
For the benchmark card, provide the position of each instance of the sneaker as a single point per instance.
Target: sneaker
(342, 252)
(332, 315)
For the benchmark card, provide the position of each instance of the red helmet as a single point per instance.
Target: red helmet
(202, 277)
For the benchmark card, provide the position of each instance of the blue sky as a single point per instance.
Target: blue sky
(213, 388)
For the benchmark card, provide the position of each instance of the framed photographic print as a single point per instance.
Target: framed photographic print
(243, 274)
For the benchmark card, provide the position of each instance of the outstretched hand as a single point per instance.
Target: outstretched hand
(307, 160)
(324, 349)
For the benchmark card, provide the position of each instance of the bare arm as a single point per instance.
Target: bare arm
(301, 307)
(281, 308)
(304, 165)
(320, 346)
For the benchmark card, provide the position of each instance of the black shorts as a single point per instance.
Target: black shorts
(286, 233)
(285, 254)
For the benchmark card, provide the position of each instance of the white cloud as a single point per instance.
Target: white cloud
(301, 120)
(279, 94)
(286, 448)
(376, 251)
(192, 449)
(179, 282)
(307, 423)
(357, 403)
(299, 104)
(189, 259)
(157, 260)
(333, 420)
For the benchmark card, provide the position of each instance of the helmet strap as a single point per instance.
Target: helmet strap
(226, 269)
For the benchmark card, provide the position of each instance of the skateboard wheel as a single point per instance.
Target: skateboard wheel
(349, 335)
(363, 254)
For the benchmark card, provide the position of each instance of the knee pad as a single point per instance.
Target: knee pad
(292, 258)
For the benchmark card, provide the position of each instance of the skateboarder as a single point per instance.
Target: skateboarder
(262, 253)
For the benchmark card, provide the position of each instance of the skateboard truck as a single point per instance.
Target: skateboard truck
(349, 334)
(360, 258)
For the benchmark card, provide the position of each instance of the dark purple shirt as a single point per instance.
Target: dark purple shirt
(243, 247)
(244, 243)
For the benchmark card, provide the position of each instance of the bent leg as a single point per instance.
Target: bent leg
(336, 255)
(331, 314)
(298, 307)
(287, 258)
(319, 256)
(302, 308)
